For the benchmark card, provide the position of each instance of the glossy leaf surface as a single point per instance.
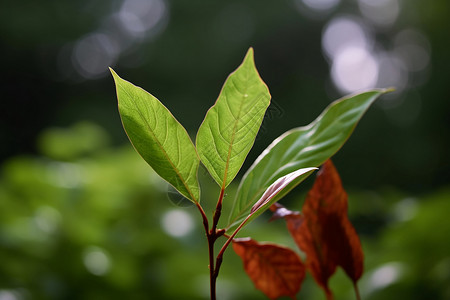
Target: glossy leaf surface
(276, 187)
(324, 232)
(158, 138)
(229, 129)
(308, 146)
(270, 196)
(276, 271)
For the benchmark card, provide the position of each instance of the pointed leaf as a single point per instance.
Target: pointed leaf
(276, 271)
(158, 138)
(301, 147)
(328, 202)
(323, 231)
(229, 129)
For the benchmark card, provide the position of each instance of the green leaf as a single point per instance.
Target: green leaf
(308, 146)
(159, 138)
(229, 129)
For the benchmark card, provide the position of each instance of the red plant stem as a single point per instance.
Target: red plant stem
(205, 219)
(218, 211)
(355, 287)
(211, 251)
(329, 294)
(212, 235)
(212, 278)
(219, 258)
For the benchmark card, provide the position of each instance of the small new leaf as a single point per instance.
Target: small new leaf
(276, 271)
(273, 192)
(158, 138)
(230, 127)
(277, 187)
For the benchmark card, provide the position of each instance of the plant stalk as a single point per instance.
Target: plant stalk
(211, 251)
(219, 258)
(355, 287)
(212, 235)
(212, 277)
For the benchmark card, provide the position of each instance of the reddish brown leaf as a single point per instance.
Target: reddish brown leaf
(307, 235)
(324, 232)
(276, 271)
(327, 201)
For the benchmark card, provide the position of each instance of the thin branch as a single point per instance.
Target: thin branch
(210, 239)
(218, 211)
(329, 294)
(355, 287)
(204, 217)
(219, 258)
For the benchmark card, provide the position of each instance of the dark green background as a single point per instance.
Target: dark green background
(71, 184)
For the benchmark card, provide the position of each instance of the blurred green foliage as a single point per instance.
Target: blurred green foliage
(92, 223)
(82, 217)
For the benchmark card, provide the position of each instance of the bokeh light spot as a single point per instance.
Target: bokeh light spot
(47, 219)
(392, 73)
(93, 54)
(141, 16)
(177, 223)
(65, 175)
(381, 12)
(316, 9)
(354, 69)
(385, 275)
(406, 209)
(96, 261)
(343, 32)
(8, 295)
(321, 4)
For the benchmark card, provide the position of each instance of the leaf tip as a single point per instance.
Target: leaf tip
(114, 74)
(112, 71)
(250, 55)
(389, 90)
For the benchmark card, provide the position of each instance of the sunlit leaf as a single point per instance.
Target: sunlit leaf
(276, 271)
(301, 147)
(158, 138)
(229, 129)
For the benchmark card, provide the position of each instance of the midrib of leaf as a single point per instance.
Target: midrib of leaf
(321, 258)
(233, 135)
(280, 275)
(276, 268)
(160, 145)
